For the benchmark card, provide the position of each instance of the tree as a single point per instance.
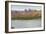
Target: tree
(25, 10)
(29, 9)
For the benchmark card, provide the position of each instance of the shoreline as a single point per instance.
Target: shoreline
(25, 18)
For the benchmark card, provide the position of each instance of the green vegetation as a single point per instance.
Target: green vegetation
(25, 15)
(25, 18)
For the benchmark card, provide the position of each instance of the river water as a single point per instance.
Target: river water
(34, 23)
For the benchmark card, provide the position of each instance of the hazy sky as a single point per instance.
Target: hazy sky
(22, 7)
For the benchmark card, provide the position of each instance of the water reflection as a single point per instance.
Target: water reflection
(26, 23)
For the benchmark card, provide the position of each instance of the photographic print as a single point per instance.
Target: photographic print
(25, 16)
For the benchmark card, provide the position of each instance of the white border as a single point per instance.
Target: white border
(25, 29)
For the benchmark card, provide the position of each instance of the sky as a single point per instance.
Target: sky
(22, 7)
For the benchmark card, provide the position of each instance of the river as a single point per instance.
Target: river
(34, 23)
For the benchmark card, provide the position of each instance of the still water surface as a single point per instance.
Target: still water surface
(26, 23)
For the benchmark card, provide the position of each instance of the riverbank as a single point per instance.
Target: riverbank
(25, 18)
(25, 15)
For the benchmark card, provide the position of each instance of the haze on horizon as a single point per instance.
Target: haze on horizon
(23, 7)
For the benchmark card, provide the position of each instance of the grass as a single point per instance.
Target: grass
(25, 18)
